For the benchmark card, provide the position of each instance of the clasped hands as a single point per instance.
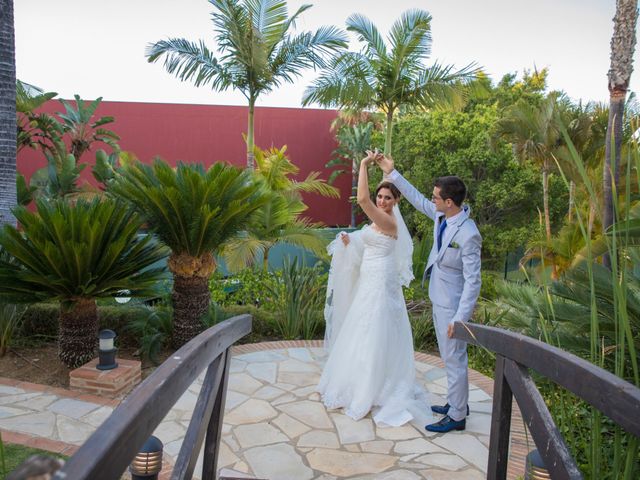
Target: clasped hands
(374, 156)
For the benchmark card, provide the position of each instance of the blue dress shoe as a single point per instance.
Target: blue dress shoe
(444, 409)
(446, 425)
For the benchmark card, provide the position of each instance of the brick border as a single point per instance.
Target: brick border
(520, 442)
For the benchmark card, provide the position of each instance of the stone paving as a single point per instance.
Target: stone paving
(275, 426)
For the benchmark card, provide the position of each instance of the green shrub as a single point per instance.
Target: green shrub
(10, 318)
(424, 334)
(248, 287)
(263, 324)
(488, 289)
(152, 328)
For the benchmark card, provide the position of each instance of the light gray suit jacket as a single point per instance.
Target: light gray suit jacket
(455, 276)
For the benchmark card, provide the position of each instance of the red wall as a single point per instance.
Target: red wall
(211, 133)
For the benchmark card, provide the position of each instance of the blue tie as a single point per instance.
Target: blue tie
(441, 228)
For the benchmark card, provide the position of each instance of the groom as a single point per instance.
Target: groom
(454, 285)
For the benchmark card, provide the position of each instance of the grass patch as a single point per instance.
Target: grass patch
(14, 455)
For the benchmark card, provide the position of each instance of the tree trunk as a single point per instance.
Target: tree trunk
(8, 126)
(78, 336)
(623, 44)
(190, 295)
(250, 137)
(592, 216)
(572, 201)
(545, 200)
(389, 133)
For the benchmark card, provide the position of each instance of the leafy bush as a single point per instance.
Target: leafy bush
(10, 317)
(248, 287)
(152, 327)
(298, 300)
(424, 334)
(263, 324)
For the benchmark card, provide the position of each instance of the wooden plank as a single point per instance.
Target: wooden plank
(214, 428)
(108, 452)
(192, 442)
(500, 424)
(617, 399)
(554, 451)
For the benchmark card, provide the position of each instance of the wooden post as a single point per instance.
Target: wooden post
(500, 424)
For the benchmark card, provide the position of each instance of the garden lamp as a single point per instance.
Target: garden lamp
(106, 350)
(534, 467)
(148, 461)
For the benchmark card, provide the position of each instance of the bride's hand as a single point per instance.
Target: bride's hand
(369, 159)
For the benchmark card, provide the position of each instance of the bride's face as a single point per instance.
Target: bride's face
(385, 200)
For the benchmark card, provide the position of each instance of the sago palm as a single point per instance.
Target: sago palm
(258, 51)
(74, 254)
(387, 78)
(193, 211)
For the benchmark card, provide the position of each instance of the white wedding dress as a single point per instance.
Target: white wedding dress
(370, 366)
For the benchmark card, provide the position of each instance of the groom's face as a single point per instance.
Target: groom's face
(441, 205)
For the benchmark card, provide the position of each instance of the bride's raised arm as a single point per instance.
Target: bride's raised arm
(383, 221)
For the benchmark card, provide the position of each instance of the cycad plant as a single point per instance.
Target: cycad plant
(74, 254)
(194, 212)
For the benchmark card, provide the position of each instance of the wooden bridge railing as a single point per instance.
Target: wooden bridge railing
(515, 354)
(112, 447)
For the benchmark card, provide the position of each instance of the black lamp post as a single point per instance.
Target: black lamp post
(148, 462)
(106, 350)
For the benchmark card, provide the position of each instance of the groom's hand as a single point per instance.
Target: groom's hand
(385, 163)
(450, 330)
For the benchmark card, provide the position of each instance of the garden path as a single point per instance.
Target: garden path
(275, 425)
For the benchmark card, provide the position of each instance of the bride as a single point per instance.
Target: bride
(370, 366)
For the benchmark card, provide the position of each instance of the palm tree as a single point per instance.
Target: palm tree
(74, 254)
(387, 79)
(35, 130)
(258, 51)
(7, 112)
(280, 219)
(193, 212)
(534, 134)
(623, 44)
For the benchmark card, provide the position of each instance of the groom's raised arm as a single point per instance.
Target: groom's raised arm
(411, 193)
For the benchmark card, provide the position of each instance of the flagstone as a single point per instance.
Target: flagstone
(170, 431)
(291, 427)
(263, 371)
(302, 354)
(6, 390)
(305, 391)
(279, 461)
(469, 474)
(263, 356)
(37, 403)
(225, 458)
(466, 446)
(233, 445)
(479, 423)
(298, 379)
(186, 402)
(234, 399)
(418, 446)
(97, 417)
(73, 431)
(268, 392)
(232, 473)
(243, 383)
(478, 396)
(481, 407)
(287, 398)
(393, 475)
(424, 367)
(319, 438)
(241, 467)
(351, 431)
(397, 433)
(7, 412)
(237, 366)
(258, 434)
(251, 411)
(342, 464)
(442, 460)
(8, 399)
(285, 386)
(377, 446)
(312, 414)
(434, 374)
(41, 424)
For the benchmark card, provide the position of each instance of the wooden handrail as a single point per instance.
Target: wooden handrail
(109, 451)
(617, 399)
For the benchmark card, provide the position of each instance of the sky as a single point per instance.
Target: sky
(96, 47)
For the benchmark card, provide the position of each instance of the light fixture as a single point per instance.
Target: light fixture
(106, 350)
(534, 467)
(148, 462)
(122, 296)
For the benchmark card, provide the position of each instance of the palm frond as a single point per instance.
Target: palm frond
(367, 32)
(410, 38)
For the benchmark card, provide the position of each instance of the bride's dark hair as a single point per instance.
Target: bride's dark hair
(394, 190)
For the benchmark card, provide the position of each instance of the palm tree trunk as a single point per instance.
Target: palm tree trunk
(250, 137)
(572, 201)
(78, 334)
(190, 295)
(592, 216)
(8, 127)
(545, 200)
(265, 260)
(388, 133)
(623, 44)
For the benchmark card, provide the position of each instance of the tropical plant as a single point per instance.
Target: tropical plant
(74, 254)
(35, 130)
(279, 220)
(194, 212)
(7, 113)
(298, 298)
(153, 328)
(258, 51)
(10, 316)
(83, 132)
(389, 78)
(623, 44)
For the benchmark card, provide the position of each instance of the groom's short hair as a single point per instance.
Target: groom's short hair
(452, 187)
